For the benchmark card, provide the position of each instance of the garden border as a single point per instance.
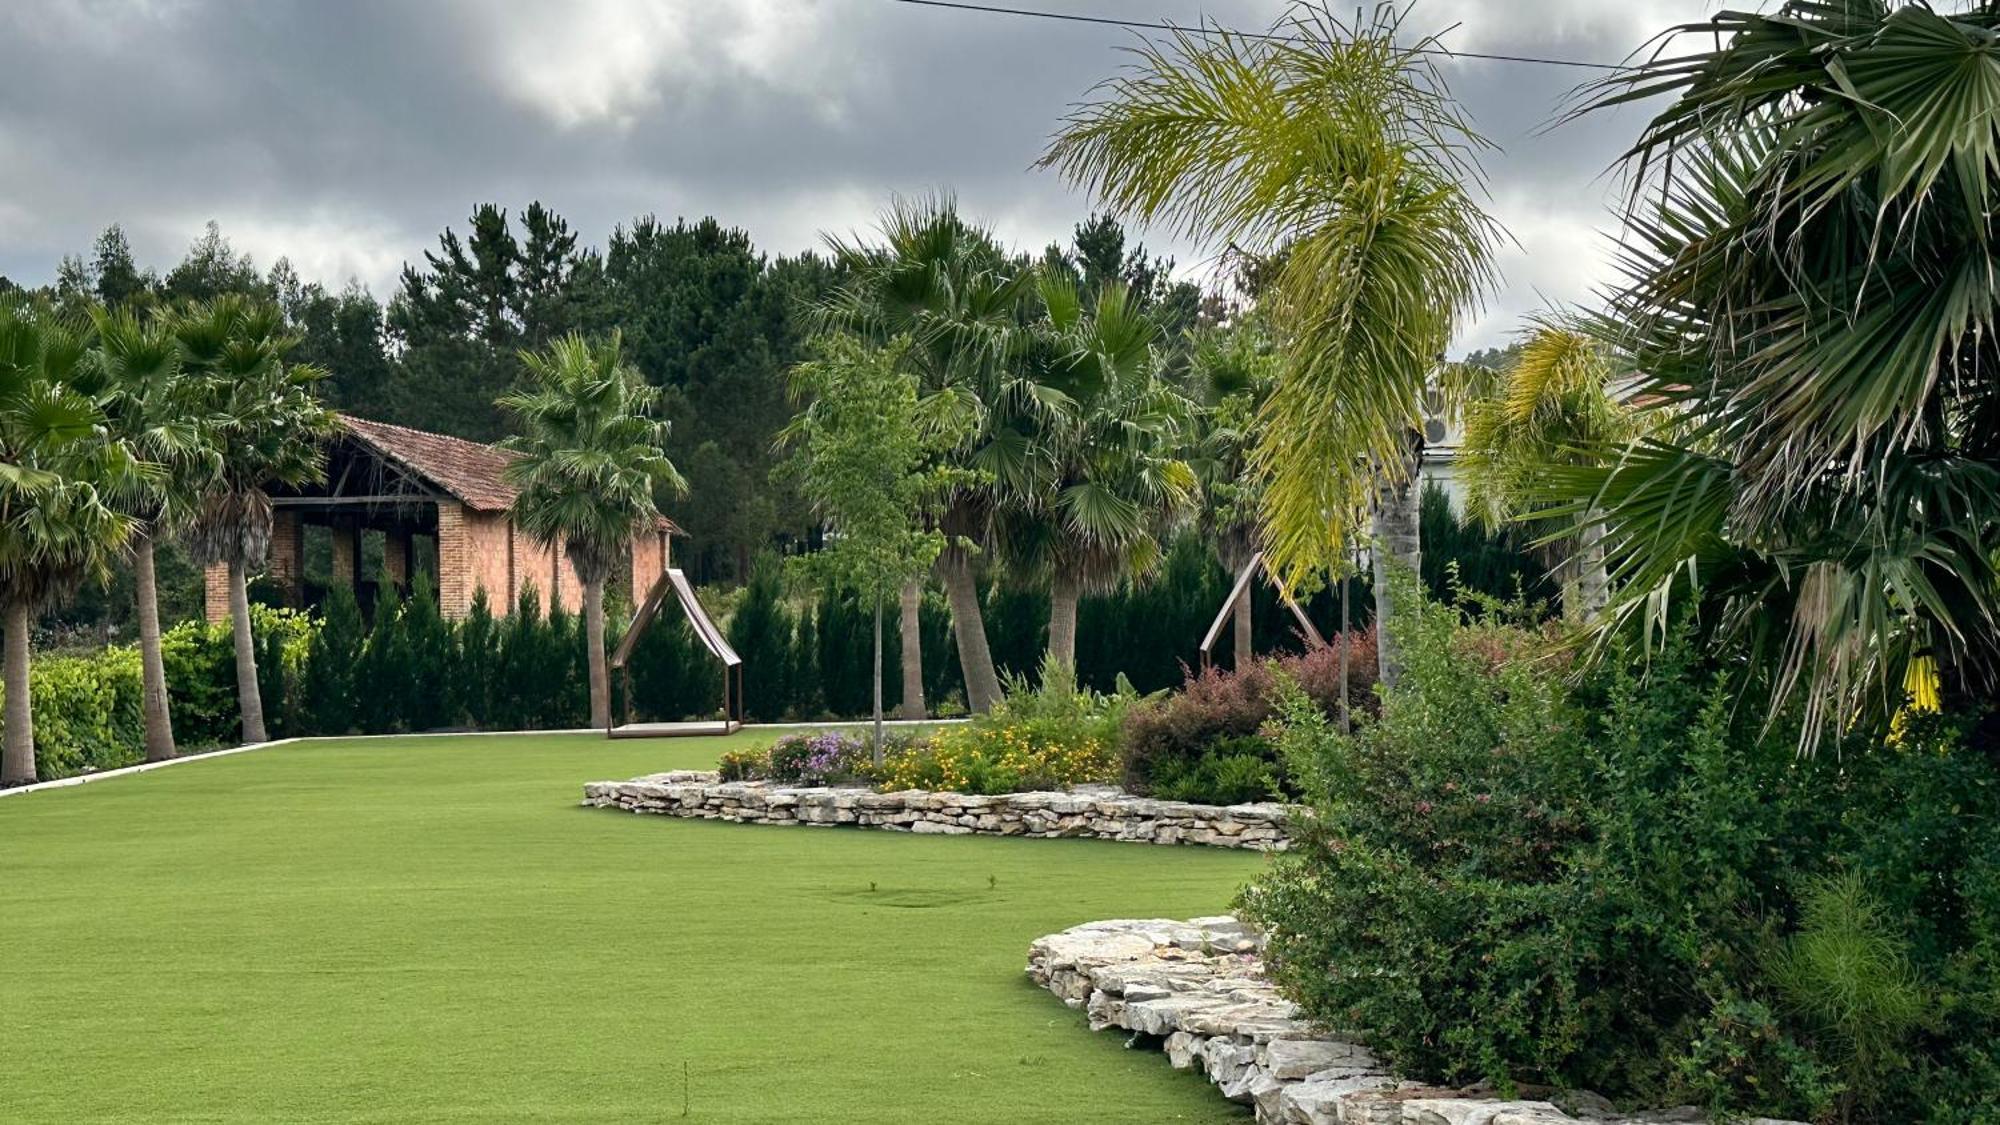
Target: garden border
(1087, 812)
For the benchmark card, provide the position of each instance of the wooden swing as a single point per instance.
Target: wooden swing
(1241, 591)
(675, 584)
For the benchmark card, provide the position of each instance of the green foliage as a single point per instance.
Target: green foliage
(382, 679)
(331, 664)
(1619, 883)
(1828, 499)
(1049, 737)
(762, 631)
(1232, 771)
(86, 712)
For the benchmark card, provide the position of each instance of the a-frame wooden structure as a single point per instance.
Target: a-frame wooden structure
(1241, 591)
(673, 584)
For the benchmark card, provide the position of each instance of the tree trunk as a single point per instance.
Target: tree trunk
(17, 751)
(593, 639)
(1396, 549)
(1245, 650)
(1064, 592)
(247, 696)
(153, 670)
(968, 629)
(1346, 639)
(1593, 580)
(878, 677)
(910, 625)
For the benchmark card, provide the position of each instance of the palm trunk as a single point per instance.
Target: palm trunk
(968, 628)
(878, 677)
(910, 625)
(1397, 548)
(17, 751)
(1593, 580)
(248, 698)
(1064, 593)
(593, 639)
(1346, 638)
(153, 704)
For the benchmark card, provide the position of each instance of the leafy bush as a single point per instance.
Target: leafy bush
(1173, 747)
(744, 765)
(1051, 737)
(1622, 883)
(817, 759)
(86, 713)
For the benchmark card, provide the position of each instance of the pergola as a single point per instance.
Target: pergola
(407, 485)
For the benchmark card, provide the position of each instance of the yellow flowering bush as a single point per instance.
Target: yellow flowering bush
(1048, 738)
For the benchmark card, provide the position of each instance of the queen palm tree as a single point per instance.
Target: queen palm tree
(1813, 295)
(1336, 153)
(1108, 448)
(591, 462)
(152, 405)
(267, 428)
(947, 286)
(1553, 406)
(59, 468)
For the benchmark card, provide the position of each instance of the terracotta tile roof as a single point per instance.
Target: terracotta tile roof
(467, 470)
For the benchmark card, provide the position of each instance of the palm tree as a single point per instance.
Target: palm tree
(1812, 294)
(58, 469)
(948, 287)
(1107, 448)
(1554, 406)
(1336, 153)
(589, 467)
(267, 428)
(154, 408)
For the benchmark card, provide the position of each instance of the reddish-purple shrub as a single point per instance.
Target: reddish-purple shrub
(1167, 736)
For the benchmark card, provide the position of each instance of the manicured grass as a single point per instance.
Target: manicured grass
(432, 930)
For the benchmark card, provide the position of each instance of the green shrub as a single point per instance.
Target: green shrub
(328, 689)
(86, 712)
(1053, 736)
(1167, 744)
(1620, 882)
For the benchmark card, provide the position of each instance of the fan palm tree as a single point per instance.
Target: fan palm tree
(1338, 154)
(964, 306)
(1553, 406)
(267, 428)
(591, 462)
(59, 468)
(153, 406)
(1813, 295)
(1108, 452)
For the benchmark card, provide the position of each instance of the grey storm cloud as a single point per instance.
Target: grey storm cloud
(346, 136)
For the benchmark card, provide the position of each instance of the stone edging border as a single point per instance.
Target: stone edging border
(1197, 989)
(1092, 813)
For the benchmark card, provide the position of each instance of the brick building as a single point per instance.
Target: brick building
(429, 495)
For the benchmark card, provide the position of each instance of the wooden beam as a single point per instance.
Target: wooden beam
(408, 499)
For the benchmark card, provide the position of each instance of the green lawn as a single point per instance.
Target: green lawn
(433, 930)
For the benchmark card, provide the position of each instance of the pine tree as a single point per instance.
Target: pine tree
(331, 662)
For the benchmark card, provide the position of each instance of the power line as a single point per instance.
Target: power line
(1148, 25)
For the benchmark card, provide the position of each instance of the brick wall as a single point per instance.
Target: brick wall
(473, 555)
(649, 561)
(215, 593)
(288, 555)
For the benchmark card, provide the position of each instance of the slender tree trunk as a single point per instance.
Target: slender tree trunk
(247, 696)
(1064, 593)
(1593, 580)
(910, 624)
(968, 628)
(1396, 548)
(878, 677)
(1346, 632)
(17, 751)
(593, 639)
(153, 669)
(1245, 650)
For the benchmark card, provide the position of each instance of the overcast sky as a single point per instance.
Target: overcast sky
(347, 135)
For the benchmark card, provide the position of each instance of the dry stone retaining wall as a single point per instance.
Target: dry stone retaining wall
(1098, 813)
(1197, 988)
